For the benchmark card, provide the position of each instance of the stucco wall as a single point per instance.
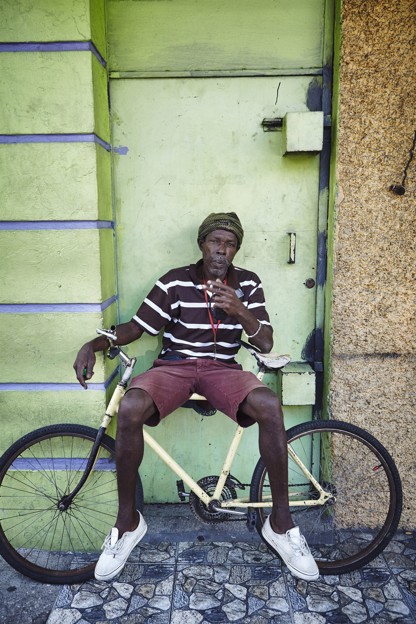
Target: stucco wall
(57, 275)
(373, 306)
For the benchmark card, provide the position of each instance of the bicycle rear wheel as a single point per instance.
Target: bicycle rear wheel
(363, 511)
(36, 537)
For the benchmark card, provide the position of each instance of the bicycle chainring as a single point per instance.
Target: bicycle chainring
(210, 516)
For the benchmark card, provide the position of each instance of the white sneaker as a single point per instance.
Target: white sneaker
(293, 549)
(117, 551)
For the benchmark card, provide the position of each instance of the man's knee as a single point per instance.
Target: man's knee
(265, 407)
(135, 409)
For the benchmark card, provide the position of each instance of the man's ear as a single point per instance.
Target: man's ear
(200, 242)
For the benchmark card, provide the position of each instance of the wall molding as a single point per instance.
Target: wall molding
(44, 308)
(53, 46)
(56, 225)
(57, 387)
(54, 138)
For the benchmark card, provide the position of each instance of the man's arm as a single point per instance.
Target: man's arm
(85, 360)
(263, 334)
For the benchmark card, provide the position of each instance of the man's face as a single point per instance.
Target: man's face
(218, 251)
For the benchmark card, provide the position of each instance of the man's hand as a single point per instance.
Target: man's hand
(225, 297)
(85, 360)
(84, 364)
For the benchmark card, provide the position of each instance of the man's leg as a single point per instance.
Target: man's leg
(135, 409)
(263, 406)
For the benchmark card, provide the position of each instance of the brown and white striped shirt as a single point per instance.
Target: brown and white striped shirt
(177, 305)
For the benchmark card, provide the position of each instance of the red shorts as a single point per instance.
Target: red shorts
(170, 383)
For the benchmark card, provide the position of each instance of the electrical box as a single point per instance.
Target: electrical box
(303, 132)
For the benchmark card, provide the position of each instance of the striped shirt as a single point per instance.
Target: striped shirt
(177, 305)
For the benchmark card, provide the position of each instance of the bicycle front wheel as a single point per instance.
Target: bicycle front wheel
(357, 516)
(39, 539)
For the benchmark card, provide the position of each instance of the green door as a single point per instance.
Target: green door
(187, 146)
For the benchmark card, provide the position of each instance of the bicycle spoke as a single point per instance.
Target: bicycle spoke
(27, 485)
(79, 526)
(344, 491)
(38, 535)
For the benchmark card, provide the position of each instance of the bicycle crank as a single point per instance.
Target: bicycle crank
(213, 513)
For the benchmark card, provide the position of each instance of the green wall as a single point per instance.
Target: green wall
(56, 231)
(57, 274)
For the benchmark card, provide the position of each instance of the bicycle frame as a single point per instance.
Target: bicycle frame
(225, 473)
(228, 505)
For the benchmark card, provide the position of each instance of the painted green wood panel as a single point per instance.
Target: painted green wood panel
(57, 266)
(55, 181)
(101, 104)
(104, 204)
(53, 20)
(107, 263)
(216, 35)
(53, 92)
(98, 25)
(21, 412)
(45, 346)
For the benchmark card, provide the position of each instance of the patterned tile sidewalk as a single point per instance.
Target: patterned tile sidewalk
(204, 581)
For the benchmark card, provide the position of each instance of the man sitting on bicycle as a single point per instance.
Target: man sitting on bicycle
(202, 309)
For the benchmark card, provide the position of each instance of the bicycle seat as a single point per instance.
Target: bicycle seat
(272, 361)
(200, 405)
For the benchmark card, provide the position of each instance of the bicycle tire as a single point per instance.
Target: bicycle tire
(36, 538)
(358, 521)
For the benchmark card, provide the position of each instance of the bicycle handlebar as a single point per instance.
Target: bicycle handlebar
(108, 333)
(115, 350)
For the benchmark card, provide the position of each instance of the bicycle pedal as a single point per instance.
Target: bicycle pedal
(251, 519)
(181, 490)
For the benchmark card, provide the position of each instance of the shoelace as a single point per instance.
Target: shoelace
(299, 545)
(116, 547)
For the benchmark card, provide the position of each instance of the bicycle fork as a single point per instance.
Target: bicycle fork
(112, 409)
(66, 500)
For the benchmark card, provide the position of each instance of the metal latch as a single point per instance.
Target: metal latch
(292, 247)
(272, 125)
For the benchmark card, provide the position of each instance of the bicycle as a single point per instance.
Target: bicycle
(58, 491)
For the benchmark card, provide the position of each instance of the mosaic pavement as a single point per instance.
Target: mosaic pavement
(204, 581)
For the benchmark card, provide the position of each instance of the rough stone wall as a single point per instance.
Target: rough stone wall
(373, 377)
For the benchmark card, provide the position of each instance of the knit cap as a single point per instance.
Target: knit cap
(221, 221)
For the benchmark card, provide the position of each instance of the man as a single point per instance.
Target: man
(202, 309)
